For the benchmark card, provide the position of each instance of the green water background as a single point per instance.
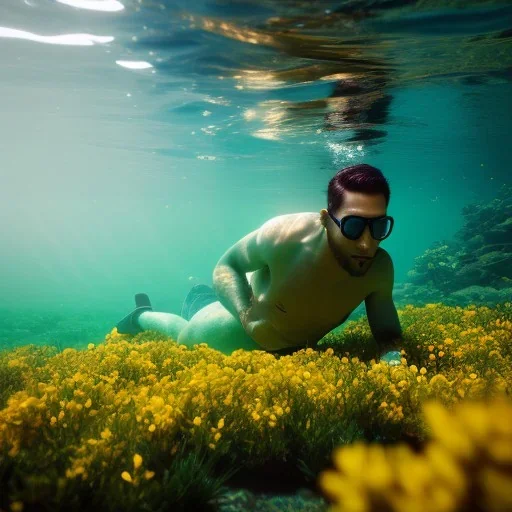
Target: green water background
(107, 191)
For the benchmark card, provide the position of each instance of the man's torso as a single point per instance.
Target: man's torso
(295, 293)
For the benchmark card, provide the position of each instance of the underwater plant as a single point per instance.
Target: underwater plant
(476, 265)
(466, 465)
(125, 418)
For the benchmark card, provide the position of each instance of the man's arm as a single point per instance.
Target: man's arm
(381, 311)
(248, 254)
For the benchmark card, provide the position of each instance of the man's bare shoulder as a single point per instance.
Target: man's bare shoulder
(290, 228)
(383, 256)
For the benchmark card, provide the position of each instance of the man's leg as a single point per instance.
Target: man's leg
(213, 324)
(143, 318)
(217, 327)
(166, 323)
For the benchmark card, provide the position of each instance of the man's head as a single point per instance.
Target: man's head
(359, 190)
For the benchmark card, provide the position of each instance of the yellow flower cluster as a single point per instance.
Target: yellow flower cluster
(137, 472)
(144, 394)
(469, 459)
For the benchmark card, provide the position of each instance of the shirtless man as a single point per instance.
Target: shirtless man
(307, 273)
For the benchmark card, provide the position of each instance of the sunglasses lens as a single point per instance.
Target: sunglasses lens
(354, 228)
(381, 228)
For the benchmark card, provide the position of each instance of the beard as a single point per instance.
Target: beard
(348, 263)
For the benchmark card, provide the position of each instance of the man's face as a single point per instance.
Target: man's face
(346, 251)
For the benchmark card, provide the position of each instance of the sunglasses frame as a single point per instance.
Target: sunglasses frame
(367, 221)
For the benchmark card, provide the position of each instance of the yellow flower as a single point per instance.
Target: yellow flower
(106, 434)
(90, 346)
(149, 474)
(152, 427)
(88, 403)
(472, 375)
(448, 431)
(335, 485)
(126, 476)
(432, 357)
(137, 461)
(495, 484)
(439, 378)
(476, 422)
(500, 451)
(344, 360)
(446, 468)
(255, 416)
(220, 424)
(412, 474)
(197, 421)
(351, 460)
(379, 475)
(423, 370)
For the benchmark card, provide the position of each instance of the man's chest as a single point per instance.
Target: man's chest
(300, 295)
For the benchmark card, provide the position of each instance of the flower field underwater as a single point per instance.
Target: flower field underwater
(142, 423)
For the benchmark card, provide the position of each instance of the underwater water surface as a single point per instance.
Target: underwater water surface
(141, 139)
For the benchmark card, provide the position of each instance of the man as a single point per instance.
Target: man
(307, 272)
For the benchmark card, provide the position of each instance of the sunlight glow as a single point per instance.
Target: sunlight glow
(134, 64)
(95, 5)
(267, 133)
(255, 79)
(66, 39)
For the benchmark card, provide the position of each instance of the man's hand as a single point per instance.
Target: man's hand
(392, 358)
(254, 313)
(390, 351)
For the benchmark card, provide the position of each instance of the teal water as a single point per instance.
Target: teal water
(117, 181)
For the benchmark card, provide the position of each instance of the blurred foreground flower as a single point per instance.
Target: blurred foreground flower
(467, 465)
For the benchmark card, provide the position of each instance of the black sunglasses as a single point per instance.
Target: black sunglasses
(352, 226)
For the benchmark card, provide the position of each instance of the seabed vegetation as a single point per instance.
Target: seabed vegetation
(141, 423)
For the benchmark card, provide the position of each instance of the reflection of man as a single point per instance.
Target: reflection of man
(360, 105)
(307, 272)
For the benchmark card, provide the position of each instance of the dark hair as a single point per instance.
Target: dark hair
(356, 178)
